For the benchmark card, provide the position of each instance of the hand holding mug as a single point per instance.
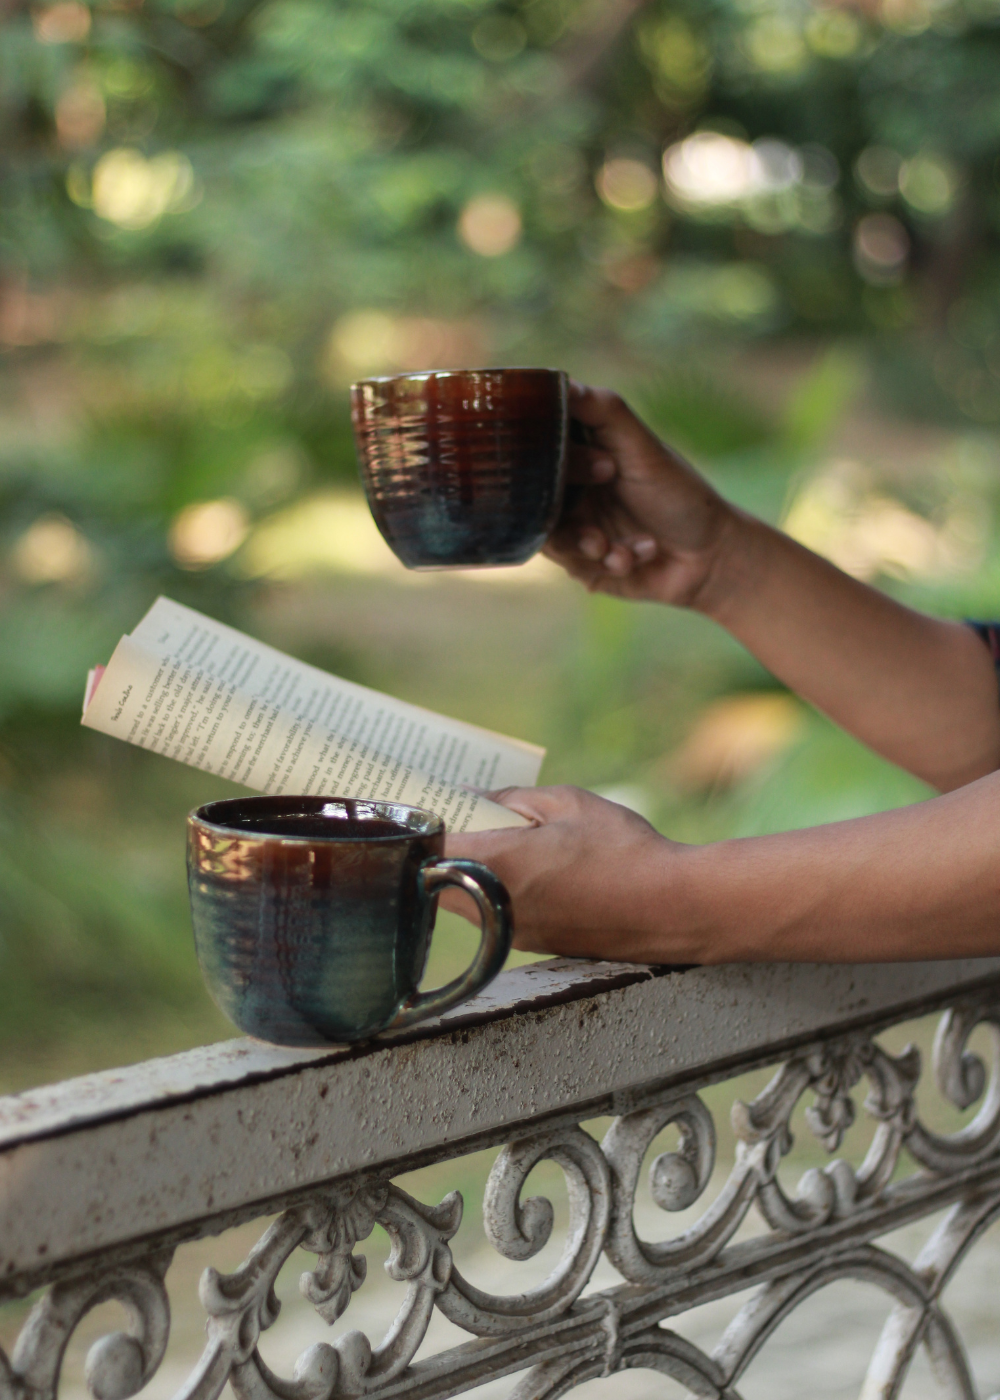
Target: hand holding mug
(644, 524)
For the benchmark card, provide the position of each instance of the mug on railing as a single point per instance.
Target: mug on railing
(313, 915)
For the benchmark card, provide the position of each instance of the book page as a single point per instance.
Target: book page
(205, 694)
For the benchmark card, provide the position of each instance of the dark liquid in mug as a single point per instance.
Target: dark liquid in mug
(311, 826)
(463, 468)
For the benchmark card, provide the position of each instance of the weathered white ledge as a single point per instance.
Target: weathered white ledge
(161, 1146)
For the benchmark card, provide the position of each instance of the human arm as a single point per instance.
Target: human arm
(918, 690)
(593, 879)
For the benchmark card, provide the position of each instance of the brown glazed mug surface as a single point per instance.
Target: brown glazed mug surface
(463, 467)
(313, 915)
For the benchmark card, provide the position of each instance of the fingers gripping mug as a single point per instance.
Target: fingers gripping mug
(313, 915)
(463, 467)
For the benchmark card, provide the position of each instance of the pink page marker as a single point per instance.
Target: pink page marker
(93, 681)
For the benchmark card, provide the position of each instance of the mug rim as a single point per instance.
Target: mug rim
(435, 824)
(446, 373)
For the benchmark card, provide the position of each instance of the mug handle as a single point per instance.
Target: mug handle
(573, 494)
(497, 927)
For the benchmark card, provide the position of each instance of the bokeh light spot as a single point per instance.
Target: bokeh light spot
(490, 225)
(877, 170)
(626, 184)
(833, 33)
(66, 23)
(775, 166)
(905, 16)
(928, 184)
(365, 340)
(124, 77)
(207, 532)
(679, 60)
(52, 550)
(709, 169)
(881, 248)
(133, 192)
(775, 45)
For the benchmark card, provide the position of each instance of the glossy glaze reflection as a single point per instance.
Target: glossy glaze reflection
(463, 467)
(312, 916)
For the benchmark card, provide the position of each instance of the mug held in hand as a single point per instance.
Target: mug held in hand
(463, 467)
(313, 915)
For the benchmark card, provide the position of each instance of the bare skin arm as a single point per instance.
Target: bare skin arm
(920, 691)
(591, 878)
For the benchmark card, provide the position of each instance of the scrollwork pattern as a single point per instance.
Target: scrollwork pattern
(763, 1136)
(243, 1304)
(677, 1180)
(556, 1333)
(119, 1364)
(962, 1079)
(519, 1231)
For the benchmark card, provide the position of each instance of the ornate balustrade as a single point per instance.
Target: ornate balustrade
(102, 1177)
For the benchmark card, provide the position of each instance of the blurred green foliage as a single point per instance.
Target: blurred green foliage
(215, 213)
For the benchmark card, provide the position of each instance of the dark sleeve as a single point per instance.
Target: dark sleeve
(989, 633)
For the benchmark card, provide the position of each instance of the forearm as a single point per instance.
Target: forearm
(920, 691)
(592, 879)
(918, 882)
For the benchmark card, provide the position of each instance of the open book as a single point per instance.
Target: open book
(186, 686)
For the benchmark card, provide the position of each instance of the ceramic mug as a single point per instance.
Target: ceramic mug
(463, 467)
(313, 915)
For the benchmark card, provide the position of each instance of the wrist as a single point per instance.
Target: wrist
(715, 903)
(676, 915)
(736, 562)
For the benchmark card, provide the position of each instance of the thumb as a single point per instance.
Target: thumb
(526, 802)
(492, 842)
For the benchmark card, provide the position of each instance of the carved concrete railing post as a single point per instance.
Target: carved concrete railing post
(232, 1133)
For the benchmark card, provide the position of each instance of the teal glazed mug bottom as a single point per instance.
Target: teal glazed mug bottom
(313, 915)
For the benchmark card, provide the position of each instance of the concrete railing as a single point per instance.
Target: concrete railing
(102, 1177)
